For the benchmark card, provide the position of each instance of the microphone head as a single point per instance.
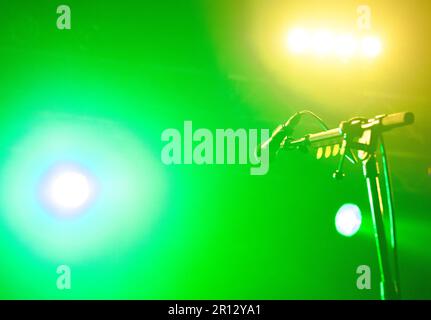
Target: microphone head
(397, 120)
(279, 134)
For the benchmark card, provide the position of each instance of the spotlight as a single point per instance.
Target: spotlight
(348, 220)
(67, 190)
(326, 43)
(371, 46)
(323, 42)
(298, 40)
(345, 46)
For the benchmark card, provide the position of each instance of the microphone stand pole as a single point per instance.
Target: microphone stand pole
(389, 289)
(365, 137)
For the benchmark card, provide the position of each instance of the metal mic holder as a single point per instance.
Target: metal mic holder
(360, 140)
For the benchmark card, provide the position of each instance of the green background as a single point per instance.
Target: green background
(102, 93)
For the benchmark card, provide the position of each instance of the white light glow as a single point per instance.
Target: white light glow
(348, 220)
(67, 190)
(298, 41)
(371, 46)
(345, 46)
(327, 43)
(323, 42)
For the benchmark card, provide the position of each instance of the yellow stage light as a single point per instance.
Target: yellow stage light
(345, 46)
(371, 46)
(323, 42)
(326, 43)
(298, 41)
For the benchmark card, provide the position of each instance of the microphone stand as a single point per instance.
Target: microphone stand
(364, 136)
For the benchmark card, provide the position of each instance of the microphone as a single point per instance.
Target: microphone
(279, 134)
(396, 120)
(355, 127)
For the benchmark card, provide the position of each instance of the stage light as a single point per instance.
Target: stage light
(322, 42)
(345, 46)
(70, 194)
(371, 46)
(298, 40)
(348, 220)
(327, 43)
(67, 189)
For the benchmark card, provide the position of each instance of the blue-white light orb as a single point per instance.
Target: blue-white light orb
(67, 190)
(348, 220)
